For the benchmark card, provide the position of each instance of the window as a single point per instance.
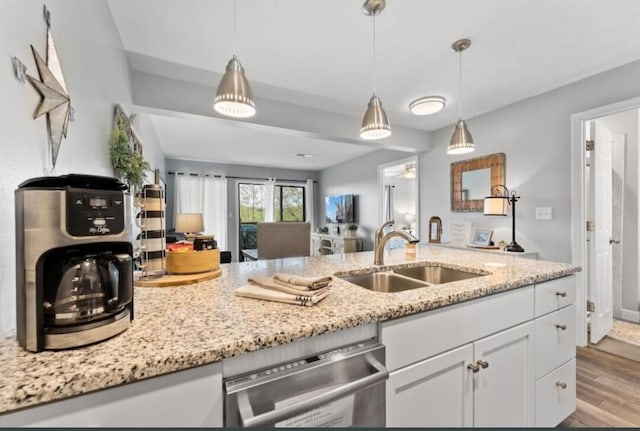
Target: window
(251, 202)
(289, 203)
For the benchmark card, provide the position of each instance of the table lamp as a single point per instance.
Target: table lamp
(496, 205)
(190, 224)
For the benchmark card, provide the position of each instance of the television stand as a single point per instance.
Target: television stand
(322, 244)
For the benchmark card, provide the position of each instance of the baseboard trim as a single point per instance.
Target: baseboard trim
(631, 316)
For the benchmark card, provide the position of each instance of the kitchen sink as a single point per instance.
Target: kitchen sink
(435, 274)
(384, 282)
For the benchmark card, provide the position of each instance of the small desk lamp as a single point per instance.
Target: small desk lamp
(496, 205)
(190, 224)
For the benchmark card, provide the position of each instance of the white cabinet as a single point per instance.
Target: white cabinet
(488, 383)
(504, 386)
(190, 398)
(436, 392)
(322, 244)
(523, 357)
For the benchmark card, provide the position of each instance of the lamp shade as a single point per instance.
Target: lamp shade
(495, 205)
(189, 223)
(375, 124)
(234, 97)
(461, 140)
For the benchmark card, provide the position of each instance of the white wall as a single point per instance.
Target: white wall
(97, 76)
(358, 177)
(535, 136)
(627, 123)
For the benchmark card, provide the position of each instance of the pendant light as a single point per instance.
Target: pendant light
(375, 124)
(233, 97)
(461, 140)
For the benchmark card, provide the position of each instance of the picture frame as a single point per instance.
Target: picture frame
(482, 238)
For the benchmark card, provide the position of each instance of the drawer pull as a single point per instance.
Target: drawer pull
(483, 364)
(561, 385)
(562, 327)
(473, 368)
(561, 294)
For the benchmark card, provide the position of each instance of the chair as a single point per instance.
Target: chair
(283, 239)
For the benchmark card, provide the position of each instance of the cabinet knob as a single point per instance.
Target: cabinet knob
(483, 364)
(562, 327)
(473, 368)
(561, 385)
(561, 294)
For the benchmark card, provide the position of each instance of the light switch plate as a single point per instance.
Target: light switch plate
(544, 213)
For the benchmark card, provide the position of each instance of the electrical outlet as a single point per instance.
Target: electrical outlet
(544, 213)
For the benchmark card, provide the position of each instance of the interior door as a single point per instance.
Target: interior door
(601, 291)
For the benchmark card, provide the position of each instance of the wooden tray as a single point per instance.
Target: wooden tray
(178, 279)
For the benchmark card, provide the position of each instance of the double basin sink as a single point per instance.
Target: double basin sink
(409, 278)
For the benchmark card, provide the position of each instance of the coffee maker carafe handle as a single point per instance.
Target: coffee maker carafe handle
(121, 284)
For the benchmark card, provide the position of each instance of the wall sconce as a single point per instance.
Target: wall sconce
(190, 224)
(496, 205)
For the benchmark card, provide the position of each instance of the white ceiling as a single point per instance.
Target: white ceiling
(318, 54)
(244, 144)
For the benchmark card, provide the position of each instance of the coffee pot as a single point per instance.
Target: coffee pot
(88, 287)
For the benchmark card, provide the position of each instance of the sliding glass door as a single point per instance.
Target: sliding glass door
(289, 205)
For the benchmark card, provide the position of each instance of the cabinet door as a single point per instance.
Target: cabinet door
(189, 398)
(436, 392)
(338, 246)
(315, 246)
(504, 391)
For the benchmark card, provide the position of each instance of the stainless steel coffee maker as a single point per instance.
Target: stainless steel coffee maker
(74, 264)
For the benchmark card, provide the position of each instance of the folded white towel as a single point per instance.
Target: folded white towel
(271, 284)
(256, 292)
(297, 281)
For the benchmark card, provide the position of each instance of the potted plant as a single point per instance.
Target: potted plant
(351, 229)
(128, 164)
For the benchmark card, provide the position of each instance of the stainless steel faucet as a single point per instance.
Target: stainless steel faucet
(380, 240)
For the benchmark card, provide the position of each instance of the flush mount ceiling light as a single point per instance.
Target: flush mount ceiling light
(234, 97)
(427, 105)
(304, 155)
(461, 141)
(375, 124)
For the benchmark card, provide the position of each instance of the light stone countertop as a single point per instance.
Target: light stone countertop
(176, 328)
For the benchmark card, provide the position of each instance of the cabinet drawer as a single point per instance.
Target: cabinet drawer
(554, 294)
(554, 403)
(411, 339)
(555, 339)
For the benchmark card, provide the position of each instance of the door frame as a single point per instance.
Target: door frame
(578, 203)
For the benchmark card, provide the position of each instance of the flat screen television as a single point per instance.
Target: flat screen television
(339, 209)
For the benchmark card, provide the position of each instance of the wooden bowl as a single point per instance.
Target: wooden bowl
(193, 262)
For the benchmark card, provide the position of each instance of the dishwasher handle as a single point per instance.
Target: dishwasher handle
(247, 418)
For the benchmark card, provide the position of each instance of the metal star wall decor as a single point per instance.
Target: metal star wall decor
(55, 100)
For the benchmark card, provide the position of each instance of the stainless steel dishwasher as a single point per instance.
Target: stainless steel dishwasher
(343, 387)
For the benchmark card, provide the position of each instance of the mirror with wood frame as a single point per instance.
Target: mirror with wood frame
(473, 179)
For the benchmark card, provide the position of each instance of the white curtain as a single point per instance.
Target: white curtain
(206, 195)
(309, 207)
(269, 200)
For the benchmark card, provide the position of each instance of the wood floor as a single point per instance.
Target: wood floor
(608, 389)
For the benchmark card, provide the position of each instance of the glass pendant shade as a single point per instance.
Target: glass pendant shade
(375, 124)
(234, 97)
(461, 140)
